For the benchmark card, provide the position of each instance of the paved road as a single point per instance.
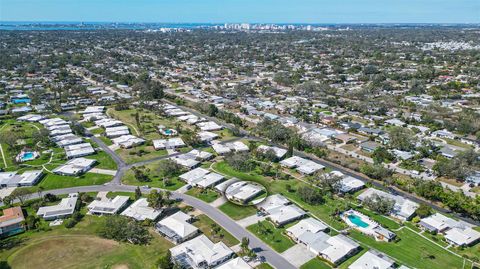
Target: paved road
(262, 249)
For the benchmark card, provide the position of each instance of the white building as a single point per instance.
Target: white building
(237, 263)
(403, 209)
(107, 206)
(177, 227)
(373, 260)
(171, 143)
(140, 211)
(12, 179)
(243, 191)
(303, 166)
(305, 227)
(64, 209)
(79, 150)
(200, 253)
(209, 126)
(202, 178)
(279, 152)
(334, 249)
(75, 167)
(128, 141)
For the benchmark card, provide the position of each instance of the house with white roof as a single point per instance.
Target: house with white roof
(209, 126)
(140, 211)
(462, 236)
(200, 252)
(285, 214)
(12, 179)
(64, 209)
(128, 141)
(279, 152)
(221, 149)
(206, 136)
(237, 263)
(75, 167)
(334, 249)
(306, 226)
(117, 131)
(304, 166)
(403, 209)
(79, 150)
(170, 143)
(438, 223)
(373, 260)
(200, 177)
(348, 183)
(273, 201)
(243, 191)
(107, 206)
(177, 227)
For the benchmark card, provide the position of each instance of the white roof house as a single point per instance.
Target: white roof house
(168, 143)
(201, 177)
(237, 263)
(304, 166)
(200, 252)
(109, 123)
(273, 201)
(332, 248)
(209, 126)
(206, 136)
(67, 140)
(373, 260)
(93, 109)
(237, 146)
(128, 141)
(31, 118)
(285, 214)
(221, 149)
(279, 152)
(462, 236)
(243, 191)
(438, 223)
(12, 179)
(177, 227)
(309, 225)
(403, 209)
(348, 183)
(107, 206)
(75, 167)
(116, 131)
(64, 209)
(223, 186)
(140, 211)
(79, 150)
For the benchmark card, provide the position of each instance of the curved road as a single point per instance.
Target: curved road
(262, 249)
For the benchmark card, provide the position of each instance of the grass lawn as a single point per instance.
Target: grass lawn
(273, 236)
(315, 263)
(204, 224)
(79, 247)
(206, 195)
(412, 250)
(53, 181)
(134, 155)
(237, 212)
(156, 179)
(104, 160)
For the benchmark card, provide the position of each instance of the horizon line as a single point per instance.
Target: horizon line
(300, 23)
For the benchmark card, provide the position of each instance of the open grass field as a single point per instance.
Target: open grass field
(412, 250)
(78, 247)
(237, 212)
(53, 181)
(206, 195)
(156, 179)
(273, 236)
(140, 153)
(204, 224)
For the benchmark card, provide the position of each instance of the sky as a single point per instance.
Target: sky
(251, 11)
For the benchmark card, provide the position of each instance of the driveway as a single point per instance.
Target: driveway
(250, 220)
(298, 255)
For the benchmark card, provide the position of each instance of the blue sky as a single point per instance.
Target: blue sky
(262, 11)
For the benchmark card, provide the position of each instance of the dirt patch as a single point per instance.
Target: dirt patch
(120, 266)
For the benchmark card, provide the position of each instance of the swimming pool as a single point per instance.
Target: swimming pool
(357, 221)
(27, 156)
(21, 100)
(168, 131)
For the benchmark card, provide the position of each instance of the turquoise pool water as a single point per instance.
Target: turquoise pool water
(357, 221)
(168, 131)
(27, 156)
(21, 100)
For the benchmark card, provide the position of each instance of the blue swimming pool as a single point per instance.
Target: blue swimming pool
(168, 131)
(21, 100)
(28, 156)
(357, 221)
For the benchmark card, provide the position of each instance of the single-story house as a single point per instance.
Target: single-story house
(200, 252)
(140, 211)
(177, 227)
(11, 222)
(64, 209)
(107, 206)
